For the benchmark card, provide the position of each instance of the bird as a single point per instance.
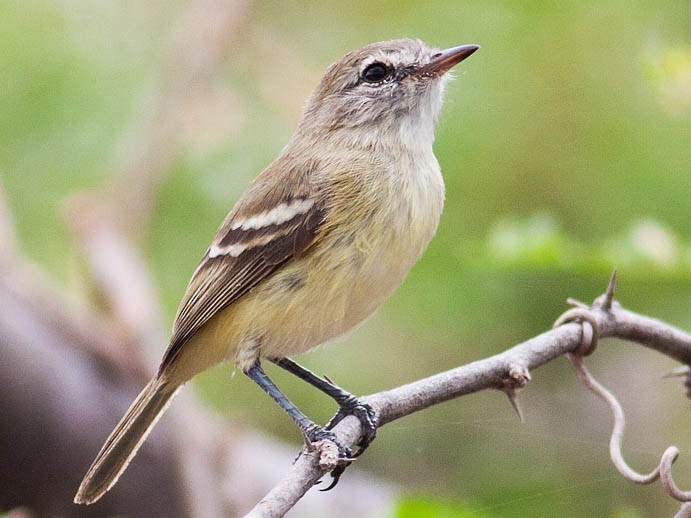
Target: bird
(315, 244)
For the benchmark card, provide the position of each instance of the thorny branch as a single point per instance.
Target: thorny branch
(575, 335)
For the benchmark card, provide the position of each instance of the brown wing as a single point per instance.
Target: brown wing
(255, 240)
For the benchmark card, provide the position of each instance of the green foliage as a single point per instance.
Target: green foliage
(538, 241)
(410, 507)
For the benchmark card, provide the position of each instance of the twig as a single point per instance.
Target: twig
(607, 317)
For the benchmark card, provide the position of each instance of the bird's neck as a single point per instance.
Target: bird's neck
(410, 135)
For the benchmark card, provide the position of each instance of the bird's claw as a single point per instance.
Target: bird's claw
(336, 476)
(365, 414)
(337, 463)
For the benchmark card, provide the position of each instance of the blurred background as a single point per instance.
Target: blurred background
(565, 144)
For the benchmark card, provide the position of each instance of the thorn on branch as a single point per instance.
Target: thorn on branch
(609, 294)
(512, 394)
(679, 372)
(606, 300)
(585, 314)
(682, 372)
(310, 447)
(516, 378)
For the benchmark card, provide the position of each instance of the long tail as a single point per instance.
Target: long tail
(124, 441)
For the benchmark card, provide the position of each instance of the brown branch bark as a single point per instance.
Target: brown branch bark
(503, 371)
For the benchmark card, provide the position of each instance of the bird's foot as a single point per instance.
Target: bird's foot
(333, 456)
(351, 405)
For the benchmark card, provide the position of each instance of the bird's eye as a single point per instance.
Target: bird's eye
(376, 73)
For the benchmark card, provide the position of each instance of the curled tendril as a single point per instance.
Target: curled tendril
(685, 511)
(587, 379)
(589, 328)
(663, 471)
(590, 332)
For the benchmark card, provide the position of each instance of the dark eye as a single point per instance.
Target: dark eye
(376, 72)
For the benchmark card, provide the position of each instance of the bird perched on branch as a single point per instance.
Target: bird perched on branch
(319, 240)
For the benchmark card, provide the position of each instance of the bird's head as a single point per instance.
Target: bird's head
(389, 90)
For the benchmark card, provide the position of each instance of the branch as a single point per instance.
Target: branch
(507, 371)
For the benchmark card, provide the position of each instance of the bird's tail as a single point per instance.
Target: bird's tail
(124, 440)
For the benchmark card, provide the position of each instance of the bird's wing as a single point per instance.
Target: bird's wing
(263, 232)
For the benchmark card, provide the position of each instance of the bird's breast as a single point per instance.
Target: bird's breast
(378, 227)
(369, 245)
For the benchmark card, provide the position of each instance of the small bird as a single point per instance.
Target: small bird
(314, 246)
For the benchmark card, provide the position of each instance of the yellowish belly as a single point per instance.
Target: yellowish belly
(322, 297)
(335, 286)
(310, 301)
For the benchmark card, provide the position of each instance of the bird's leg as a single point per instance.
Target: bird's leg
(257, 374)
(312, 431)
(347, 402)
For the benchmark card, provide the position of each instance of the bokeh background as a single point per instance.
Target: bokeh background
(565, 144)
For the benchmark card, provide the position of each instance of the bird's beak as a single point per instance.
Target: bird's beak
(446, 59)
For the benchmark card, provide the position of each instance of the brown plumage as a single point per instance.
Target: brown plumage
(320, 238)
